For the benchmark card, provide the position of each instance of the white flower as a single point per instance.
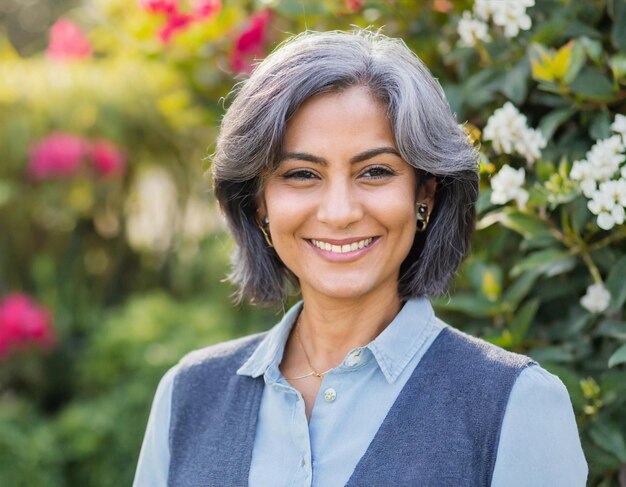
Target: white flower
(619, 126)
(616, 190)
(582, 171)
(597, 298)
(509, 133)
(507, 186)
(605, 157)
(151, 211)
(504, 128)
(530, 143)
(508, 14)
(603, 205)
(484, 8)
(471, 30)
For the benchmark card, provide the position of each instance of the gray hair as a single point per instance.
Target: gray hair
(426, 134)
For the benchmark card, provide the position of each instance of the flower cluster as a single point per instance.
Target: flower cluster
(250, 43)
(511, 16)
(175, 19)
(61, 156)
(602, 177)
(507, 186)
(67, 42)
(509, 133)
(22, 323)
(596, 299)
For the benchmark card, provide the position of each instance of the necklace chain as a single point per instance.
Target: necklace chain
(314, 372)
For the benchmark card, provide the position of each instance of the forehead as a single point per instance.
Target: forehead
(350, 119)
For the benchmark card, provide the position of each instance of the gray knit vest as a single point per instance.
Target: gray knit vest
(443, 429)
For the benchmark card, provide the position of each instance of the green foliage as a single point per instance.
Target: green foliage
(131, 266)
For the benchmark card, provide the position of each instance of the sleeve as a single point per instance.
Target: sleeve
(539, 443)
(154, 459)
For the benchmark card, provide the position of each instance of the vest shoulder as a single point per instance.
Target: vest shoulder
(232, 351)
(474, 348)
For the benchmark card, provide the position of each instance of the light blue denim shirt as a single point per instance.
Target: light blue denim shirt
(539, 443)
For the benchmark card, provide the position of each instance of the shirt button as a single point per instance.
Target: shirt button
(330, 394)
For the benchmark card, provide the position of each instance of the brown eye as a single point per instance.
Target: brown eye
(378, 172)
(300, 174)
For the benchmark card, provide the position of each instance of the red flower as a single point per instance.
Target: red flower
(174, 23)
(57, 156)
(251, 42)
(67, 42)
(23, 322)
(204, 9)
(167, 7)
(443, 6)
(108, 159)
(354, 5)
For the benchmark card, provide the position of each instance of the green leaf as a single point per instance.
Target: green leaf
(593, 84)
(515, 86)
(577, 60)
(553, 120)
(609, 438)
(618, 357)
(469, 304)
(541, 261)
(618, 66)
(611, 328)
(593, 48)
(616, 284)
(601, 126)
(519, 289)
(522, 320)
(558, 354)
(526, 225)
(618, 33)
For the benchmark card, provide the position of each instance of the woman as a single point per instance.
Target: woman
(342, 172)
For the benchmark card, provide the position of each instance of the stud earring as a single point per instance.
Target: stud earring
(422, 217)
(264, 227)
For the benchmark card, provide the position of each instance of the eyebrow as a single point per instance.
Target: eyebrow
(363, 156)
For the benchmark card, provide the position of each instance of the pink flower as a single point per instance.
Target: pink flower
(204, 9)
(251, 42)
(23, 322)
(107, 158)
(354, 5)
(57, 156)
(174, 23)
(167, 7)
(67, 42)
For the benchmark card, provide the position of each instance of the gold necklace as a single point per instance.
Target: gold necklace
(314, 372)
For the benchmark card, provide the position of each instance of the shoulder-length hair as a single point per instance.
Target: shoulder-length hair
(426, 134)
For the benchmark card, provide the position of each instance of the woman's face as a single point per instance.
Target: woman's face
(342, 203)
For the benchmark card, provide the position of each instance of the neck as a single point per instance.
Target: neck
(330, 328)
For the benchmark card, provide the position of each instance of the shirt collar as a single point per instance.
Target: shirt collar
(272, 346)
(404, 337)
(393, 348)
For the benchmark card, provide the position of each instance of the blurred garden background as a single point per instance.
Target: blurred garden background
(113, 254)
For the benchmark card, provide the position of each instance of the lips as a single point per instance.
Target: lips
(342, 246)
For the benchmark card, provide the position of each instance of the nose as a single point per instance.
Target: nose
(340, 205)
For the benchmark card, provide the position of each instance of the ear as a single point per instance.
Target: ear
(426, 193)
(261, 209)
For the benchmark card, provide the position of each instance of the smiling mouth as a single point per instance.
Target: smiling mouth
(342, 249)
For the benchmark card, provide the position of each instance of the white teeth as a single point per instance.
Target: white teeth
(340, 249)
